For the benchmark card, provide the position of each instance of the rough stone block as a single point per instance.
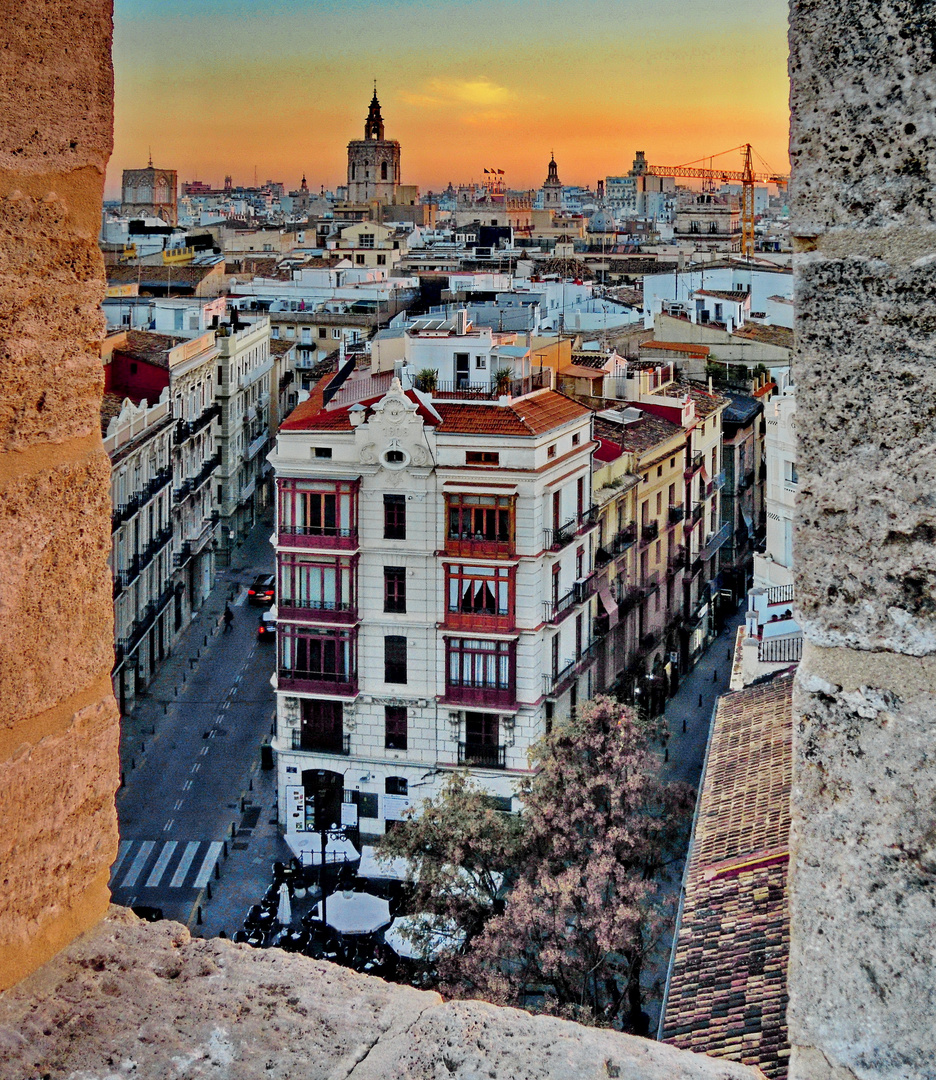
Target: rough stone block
(863, 136)
(56, 608)
(59, 838)
(866, 414)
(56, 85)
(863, 880)
(51, 375)
(148, 1001)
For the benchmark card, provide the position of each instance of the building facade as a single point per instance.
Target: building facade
(435, 595)
(138, 441)
(150, 192)
(775, 566)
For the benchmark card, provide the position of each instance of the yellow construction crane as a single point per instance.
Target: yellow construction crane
(745, 174)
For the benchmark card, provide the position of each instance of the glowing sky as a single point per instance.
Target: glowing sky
(281, 86)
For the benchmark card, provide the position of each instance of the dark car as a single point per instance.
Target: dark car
(263, 590)
(149, 914)
(266, 631)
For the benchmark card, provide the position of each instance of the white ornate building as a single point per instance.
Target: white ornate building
(435, 594)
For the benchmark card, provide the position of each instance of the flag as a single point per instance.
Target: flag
(487, 170)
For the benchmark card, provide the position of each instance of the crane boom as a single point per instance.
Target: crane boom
(748, 179)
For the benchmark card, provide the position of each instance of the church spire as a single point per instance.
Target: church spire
(373, 127)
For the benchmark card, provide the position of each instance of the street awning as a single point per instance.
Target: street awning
(609, 603)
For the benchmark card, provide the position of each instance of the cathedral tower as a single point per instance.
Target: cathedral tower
(373, 162)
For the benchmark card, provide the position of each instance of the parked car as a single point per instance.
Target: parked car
(266, 631)
(263, 590)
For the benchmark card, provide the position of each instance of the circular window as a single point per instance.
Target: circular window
(394, 459)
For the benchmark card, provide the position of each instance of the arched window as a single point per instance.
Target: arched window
(383, 171)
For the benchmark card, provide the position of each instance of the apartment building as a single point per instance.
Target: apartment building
(436, 594)
(140, 365)
(650, 565)
(655, 388)
(138, 441)
(243, 390)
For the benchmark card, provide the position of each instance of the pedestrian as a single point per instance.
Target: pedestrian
(228, 617)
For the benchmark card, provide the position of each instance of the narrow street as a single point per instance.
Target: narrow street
(193, 792)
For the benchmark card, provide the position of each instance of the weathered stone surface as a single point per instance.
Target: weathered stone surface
(866, 418)
(59, 838)
(56, 609)
(147, 1001)
(51, 324)
(863, 140)
(864, 912)
(56, 85)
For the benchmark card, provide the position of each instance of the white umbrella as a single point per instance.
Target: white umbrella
(435, 935)
(284, 910)
(355, 912)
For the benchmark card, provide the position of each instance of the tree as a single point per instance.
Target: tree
(462, 853)
(600, 832)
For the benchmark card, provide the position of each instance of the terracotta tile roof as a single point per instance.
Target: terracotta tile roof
(111, 404)
(589, 358)
(160, 275)
(281, 346)
(533, 415)
(547, 409)
(768, 334)
(688, 347)
(639, 436)
(727, 992)
(582, 371)
(738, 296)
(149, 346)
(705, 403)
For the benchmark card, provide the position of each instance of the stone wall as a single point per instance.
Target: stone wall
(58, 720)
(133, 999)
(864, 812)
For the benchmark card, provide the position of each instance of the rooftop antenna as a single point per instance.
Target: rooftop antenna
(150, 158)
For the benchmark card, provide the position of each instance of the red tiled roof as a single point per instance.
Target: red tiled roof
(677, 346)
(533, 415)
(727, 994)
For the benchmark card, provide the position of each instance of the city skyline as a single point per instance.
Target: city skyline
(282, 94)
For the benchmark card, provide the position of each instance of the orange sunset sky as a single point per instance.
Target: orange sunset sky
(281, 86)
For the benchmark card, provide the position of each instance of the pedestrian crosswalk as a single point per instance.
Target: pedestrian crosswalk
(166, 864)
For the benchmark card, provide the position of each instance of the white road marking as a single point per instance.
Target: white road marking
(178, 805)
(241, 597)
(169, 824)
(187, 786)
(184, 863)
(214, 850)
(122, 853)
(161, 863)
(203, 751)
(196, 767)
(139, 862)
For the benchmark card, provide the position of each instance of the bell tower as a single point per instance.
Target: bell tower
(374, 161)
(552, 187)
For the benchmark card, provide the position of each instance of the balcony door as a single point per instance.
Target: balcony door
(482, 740)
(462, 370)
(322, 726)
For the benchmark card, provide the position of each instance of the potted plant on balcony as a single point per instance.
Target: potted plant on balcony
(427, 380)
(501, 380)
